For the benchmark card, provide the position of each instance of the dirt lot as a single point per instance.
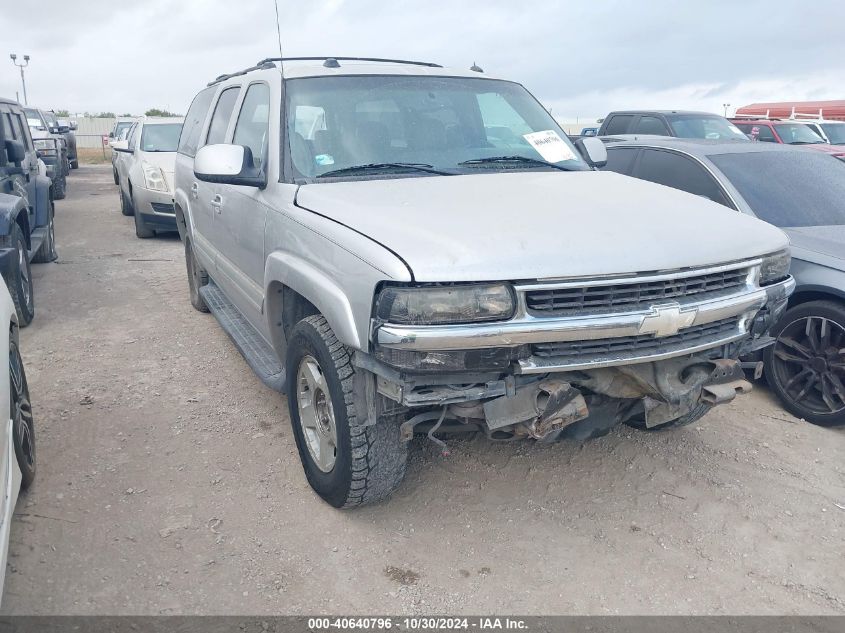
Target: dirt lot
(169, 482)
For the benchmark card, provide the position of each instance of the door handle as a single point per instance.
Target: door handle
(195, 191)
(217, 203)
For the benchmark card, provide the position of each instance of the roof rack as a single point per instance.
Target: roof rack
(262, 65)
(349, 59)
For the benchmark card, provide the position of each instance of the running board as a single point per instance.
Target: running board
(255, 350)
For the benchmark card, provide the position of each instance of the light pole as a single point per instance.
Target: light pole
(726, 106)
(21, 66)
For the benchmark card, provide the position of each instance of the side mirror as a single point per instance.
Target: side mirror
(111, 134)
(121, 146)
(593, 151)
(228, 165)
(15, 152)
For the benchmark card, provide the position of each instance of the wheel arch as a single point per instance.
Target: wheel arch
(13, 211)
(805, 294)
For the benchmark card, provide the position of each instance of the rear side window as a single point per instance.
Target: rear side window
(758, 132)
(222, 114)
(189, 140)
(21, 131)
(679, 172)
(651, 125)
(619, 124)
(621, 159)
(252, 129)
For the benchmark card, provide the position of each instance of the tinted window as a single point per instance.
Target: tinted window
(221, 116)
(651, 125)
(835, 132)
(618, 124)
(252, 127)
(189, 140)
(160, 137)
(678, 172)
(712, 127)
(758, 132)
(8, 129)
(621, 159)
(21, 130)
(789, 188)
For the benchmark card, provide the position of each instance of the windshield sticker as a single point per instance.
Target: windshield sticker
(550, 146)
(324, 159)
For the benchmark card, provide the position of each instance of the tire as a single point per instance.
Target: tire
(74, 163)
(141, 229)
(369, 461)
(806, 365)
(114, 173)
(47, 251)
(20, 284)
(125, 205)
(59, 188)
(23, 428)
(698, 412)
(197, 277)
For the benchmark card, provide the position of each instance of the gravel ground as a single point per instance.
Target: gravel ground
(169, 483)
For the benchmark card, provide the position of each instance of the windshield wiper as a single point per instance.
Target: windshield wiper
(374, 166)
(806, 142)
(514, 159)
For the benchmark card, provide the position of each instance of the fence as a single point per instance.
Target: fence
(90, 130)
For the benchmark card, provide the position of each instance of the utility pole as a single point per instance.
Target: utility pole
(21, 66)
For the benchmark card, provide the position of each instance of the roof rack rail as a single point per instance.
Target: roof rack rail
(262, 65)
(349, 59)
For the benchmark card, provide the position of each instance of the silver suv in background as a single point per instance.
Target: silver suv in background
(404, 249)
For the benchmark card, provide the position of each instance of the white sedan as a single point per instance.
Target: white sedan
(17, 439)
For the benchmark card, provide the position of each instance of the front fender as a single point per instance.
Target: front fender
(310, 282)
(10, 208)
(183, 214)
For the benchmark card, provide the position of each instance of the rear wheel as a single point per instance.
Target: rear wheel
(23, 428)
(806, 365)
(347, 463)
(197, 277)
(20, 283)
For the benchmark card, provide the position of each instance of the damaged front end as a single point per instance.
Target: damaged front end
(570, 363)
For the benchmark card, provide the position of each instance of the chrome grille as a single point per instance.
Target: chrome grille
(643, 344)
(626, 297)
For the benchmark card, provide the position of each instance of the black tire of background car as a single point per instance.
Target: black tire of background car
(141, 230)
(114, 173)
(777, 376)
(197, 277)
(370, 461)
(125, 206)
(23, 428)
(74, 164)
(20, 285)
(59, 188)
(47, 251)
(698, 412)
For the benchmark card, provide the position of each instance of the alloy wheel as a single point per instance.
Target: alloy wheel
(21, 408)
(316, 414)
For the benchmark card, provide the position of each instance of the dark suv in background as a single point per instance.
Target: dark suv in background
(671, 123)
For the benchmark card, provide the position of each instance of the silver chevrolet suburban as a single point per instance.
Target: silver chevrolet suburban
(405, 249)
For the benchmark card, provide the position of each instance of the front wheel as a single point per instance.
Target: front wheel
(114, 173)
(74, 164)
(141, 229)
(23, 428)
(347, 463)
(197, 277)
(125, 205)
(806, 365)
(20, 282)
(59, 188)
(47, 251)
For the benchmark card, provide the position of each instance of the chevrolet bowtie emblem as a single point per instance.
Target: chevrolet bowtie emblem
(667, 319)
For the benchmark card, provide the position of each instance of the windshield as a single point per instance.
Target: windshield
(51, 119)
(710, 127)
(336, 123)
(33, 118)
(788, 188)
(160, 137)
(835, 132)
(798, 134)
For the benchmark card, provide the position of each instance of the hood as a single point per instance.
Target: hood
(819, 244)
(834, 150)
(536, 225)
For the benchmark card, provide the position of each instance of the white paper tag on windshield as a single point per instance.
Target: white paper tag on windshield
(550, 146)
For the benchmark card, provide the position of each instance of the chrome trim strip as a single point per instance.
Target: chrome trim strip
(634, 279)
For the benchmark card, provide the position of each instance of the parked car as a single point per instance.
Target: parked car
(788, 133)
(405, 248)
(120, 132)
(67, 129)
(589, 131)
(145, 174)
(17, 440)
(52, 148)
(679, 123)
(803, 193)
(26, 210)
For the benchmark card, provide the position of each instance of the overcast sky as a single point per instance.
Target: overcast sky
(582, 58)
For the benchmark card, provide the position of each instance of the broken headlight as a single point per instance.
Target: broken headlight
(439, 305)
(775, 268)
